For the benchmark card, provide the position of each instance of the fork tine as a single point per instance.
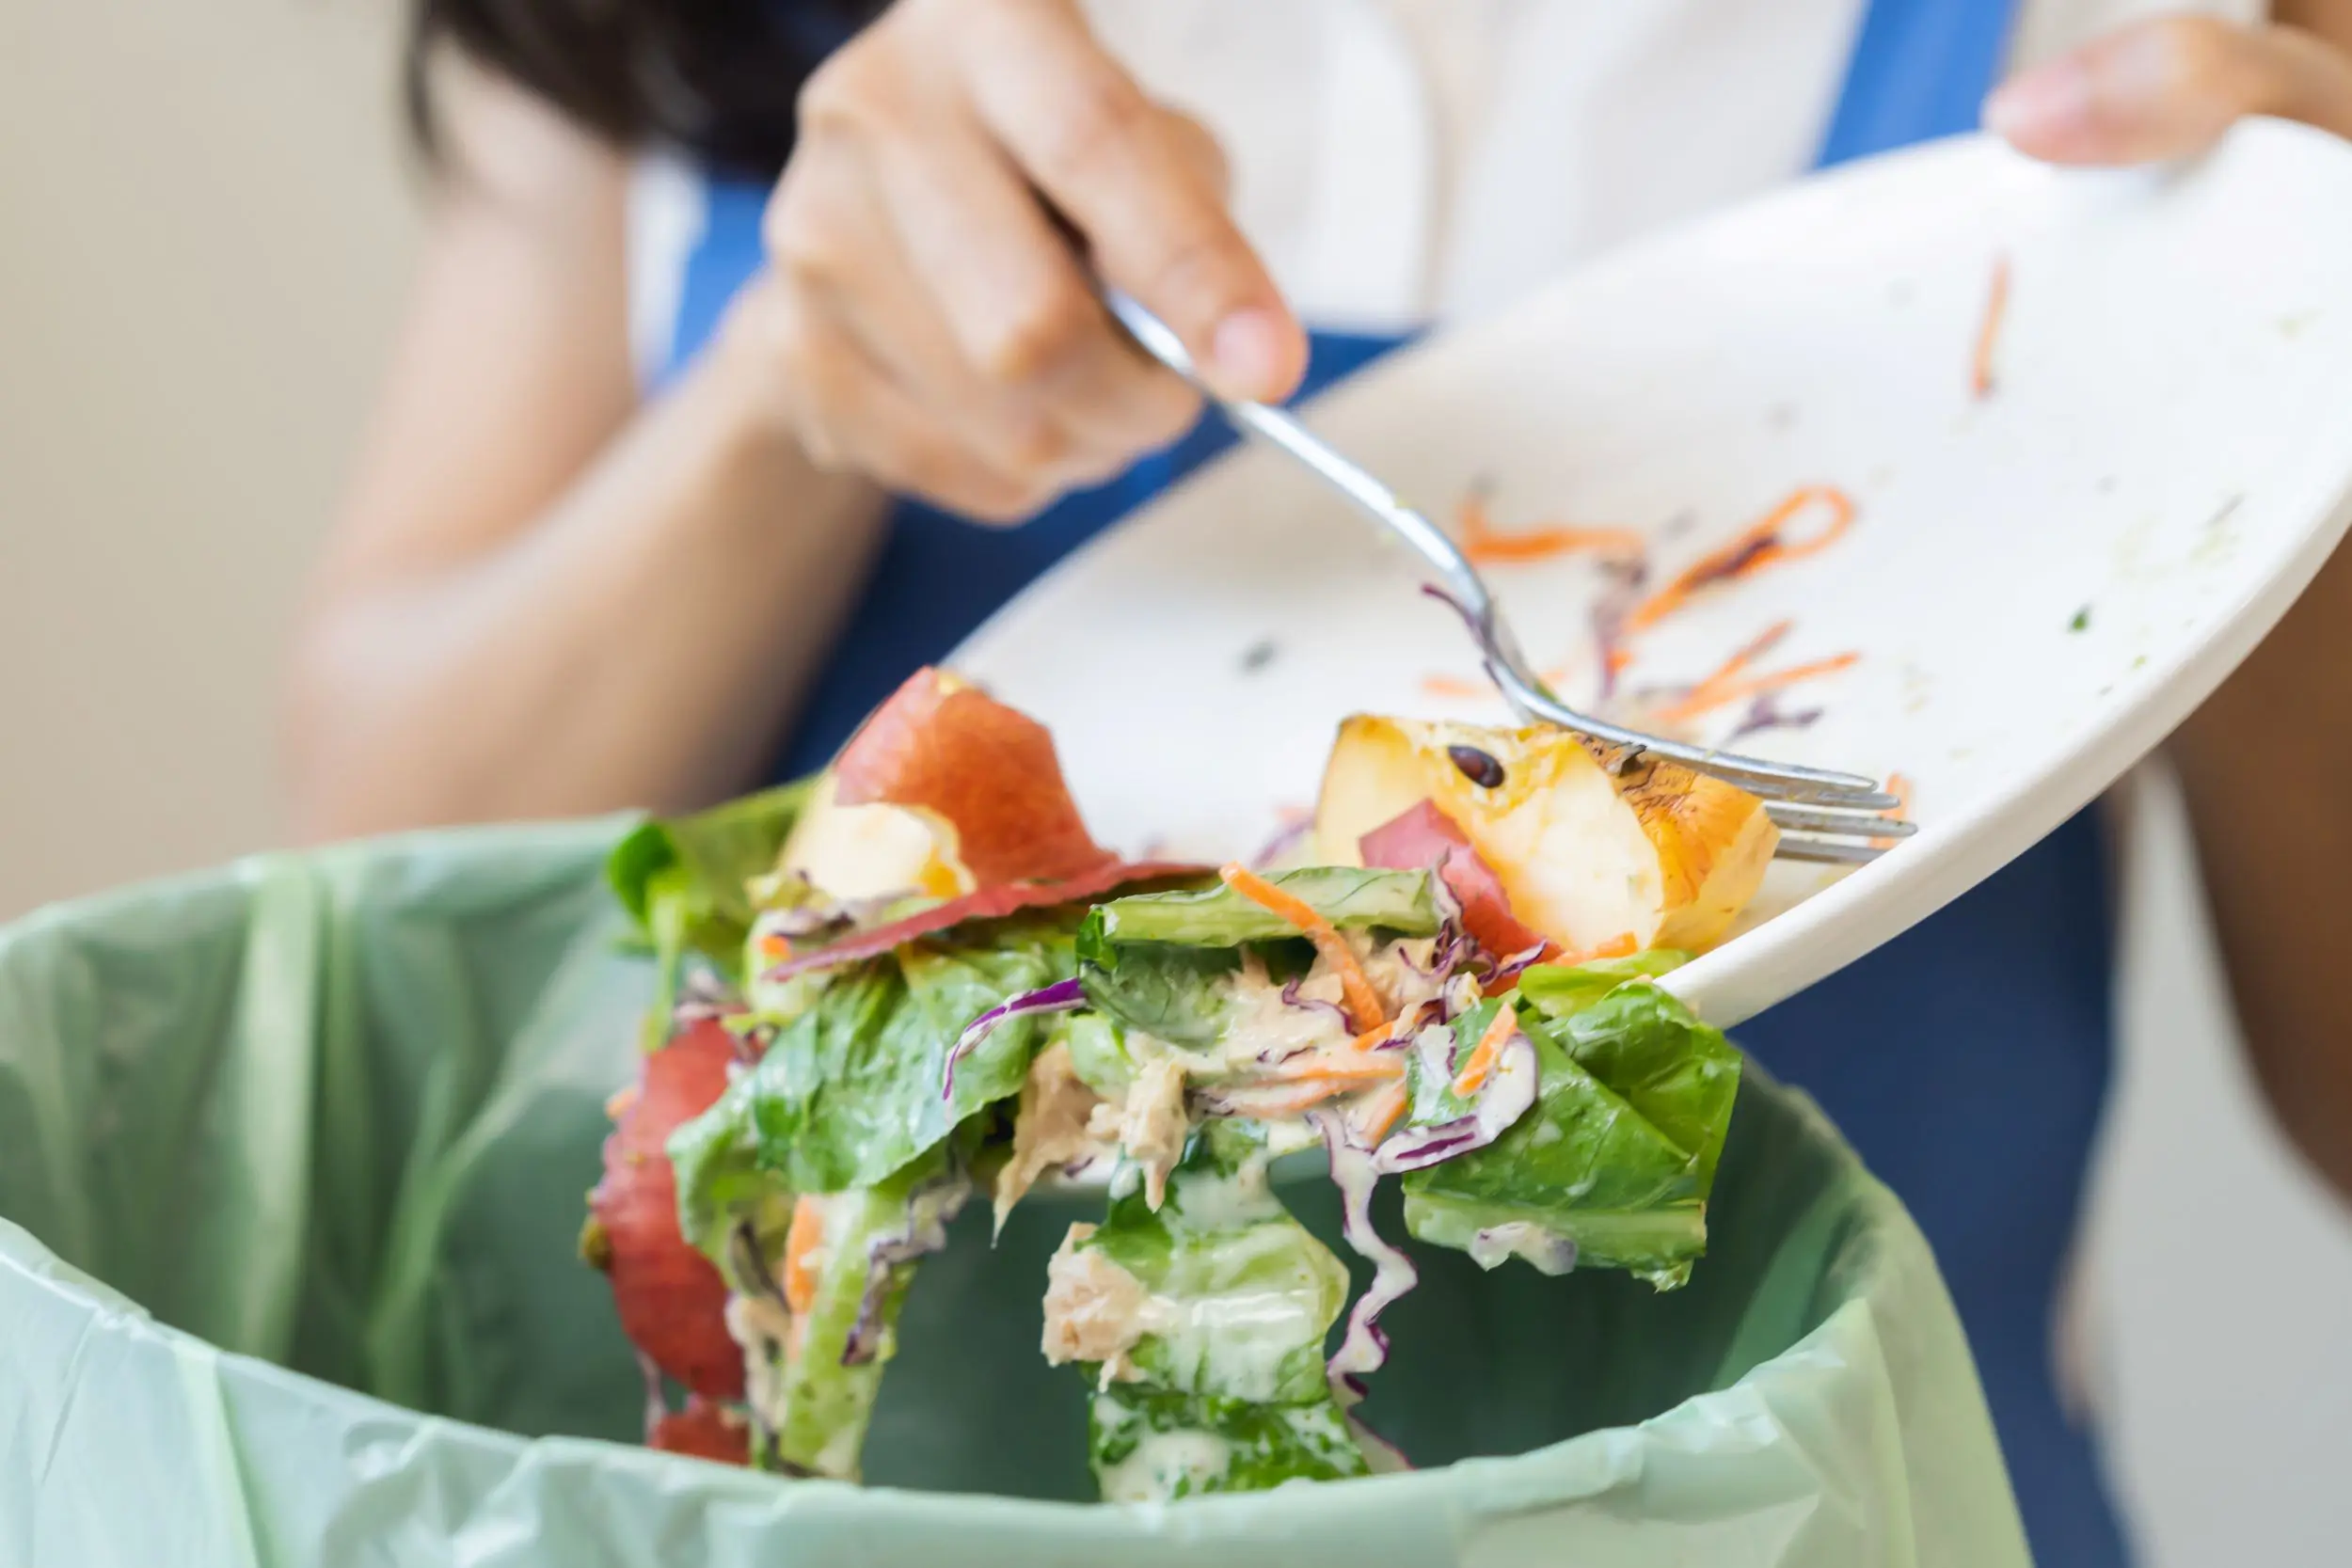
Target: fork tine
(1772, 781)
(1774, 788)
(1828, 851)
(1833, 824)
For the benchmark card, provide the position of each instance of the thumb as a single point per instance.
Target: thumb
(2168, 88)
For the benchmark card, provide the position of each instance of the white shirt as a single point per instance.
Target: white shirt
(1403, 160)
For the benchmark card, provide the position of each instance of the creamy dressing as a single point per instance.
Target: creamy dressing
(839, 1454)
(1240, 1299)
(1238, 1342)
(1547, 1251)
(1399, 973)
(1163, 1463)
(1261, 1027)
(1226, 1202)
(762, 1327)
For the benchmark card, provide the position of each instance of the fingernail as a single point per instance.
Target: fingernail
(1250, 353)
(2047, 101)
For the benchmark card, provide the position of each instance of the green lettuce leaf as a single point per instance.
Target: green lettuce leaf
(1098, 1052)
(1248, 1294)
(1177, 994)
(826, 1403)
(1163, 962)
(1350, 897)
(721, 1182)
(681, 878)
(1618, 1153)
(1151, 1444)
(1230, 1393)
(1559, 990)
(850, 1091)
(1650, 1050)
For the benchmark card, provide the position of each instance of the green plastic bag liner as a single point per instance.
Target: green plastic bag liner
(292, 1158)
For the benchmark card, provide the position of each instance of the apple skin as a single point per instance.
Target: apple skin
(672, 1301)
(982, 777)
(1424, 837)
(705, 1431)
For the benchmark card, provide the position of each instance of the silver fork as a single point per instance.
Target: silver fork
(1822, 816)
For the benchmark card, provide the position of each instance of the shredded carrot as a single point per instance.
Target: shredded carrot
(1755, 686)
(1368, 1068)
(775, 946)
(1483, 1055)
(1900, 788)
(1365, 1008)
(1380, 1111)
(1372, 1038)
(802, 1240)
(1981, 377)
(1304, 1096)
(1762, 545)
(1487, 546)
(1734, 667)
(1729, 682)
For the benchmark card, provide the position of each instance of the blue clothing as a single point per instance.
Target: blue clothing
(1967, 1060)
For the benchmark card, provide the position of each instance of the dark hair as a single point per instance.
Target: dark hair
(718, 78)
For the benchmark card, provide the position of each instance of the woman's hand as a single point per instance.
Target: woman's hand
(2262, 764)
(2170, 87)
(926, 318)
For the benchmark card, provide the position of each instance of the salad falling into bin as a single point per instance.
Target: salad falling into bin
(916, 983)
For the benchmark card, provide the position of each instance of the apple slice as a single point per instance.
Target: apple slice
(705, 1431)
(1658, 854)
(671, 1302)
(941, 791)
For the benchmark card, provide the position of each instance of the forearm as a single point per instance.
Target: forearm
(2267, 768)
(640, 645)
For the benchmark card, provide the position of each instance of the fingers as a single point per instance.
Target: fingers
(1131, 178)
(923, 261)
(850, 413)
(2168, 88)
(1016, 303)
(835, 241)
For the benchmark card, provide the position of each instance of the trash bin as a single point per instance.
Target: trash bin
(291, 1162)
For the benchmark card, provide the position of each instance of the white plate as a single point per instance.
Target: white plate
(2169, 447)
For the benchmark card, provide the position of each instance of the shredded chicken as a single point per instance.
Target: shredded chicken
(1151, 1125)
(1050, 1129)
(1094, 1310)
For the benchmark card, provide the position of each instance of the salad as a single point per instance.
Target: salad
(916, 985)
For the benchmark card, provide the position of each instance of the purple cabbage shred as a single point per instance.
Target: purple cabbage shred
(1061, 997)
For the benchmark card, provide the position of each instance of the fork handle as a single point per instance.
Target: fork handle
(1460, 580)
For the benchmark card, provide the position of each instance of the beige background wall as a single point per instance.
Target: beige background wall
(204, 225)
(204, 221)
